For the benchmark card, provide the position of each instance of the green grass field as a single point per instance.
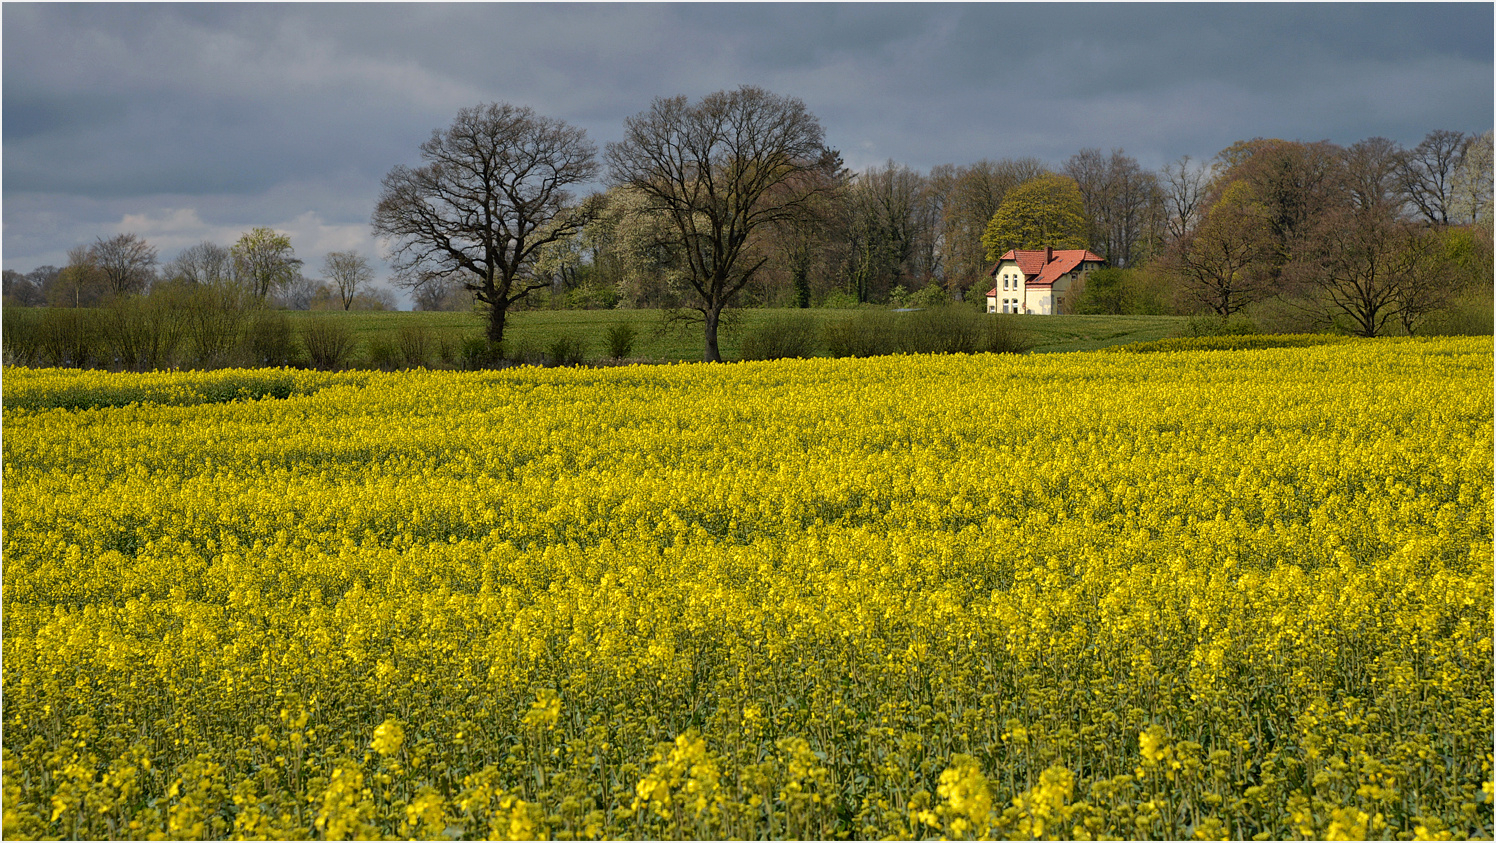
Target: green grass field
(538, 328)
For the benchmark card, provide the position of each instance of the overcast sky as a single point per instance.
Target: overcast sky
(184, 122)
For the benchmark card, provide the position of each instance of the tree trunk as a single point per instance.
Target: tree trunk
(802, 287)
(713, 318)
(496, 314)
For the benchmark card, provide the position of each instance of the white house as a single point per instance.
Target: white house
(1042, 281)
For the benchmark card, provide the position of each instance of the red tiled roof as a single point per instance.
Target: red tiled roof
(1038, 273)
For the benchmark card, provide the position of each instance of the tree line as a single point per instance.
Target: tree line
(736, 200)
(261, 266)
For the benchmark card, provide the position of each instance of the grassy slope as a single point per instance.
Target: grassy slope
(684, 343)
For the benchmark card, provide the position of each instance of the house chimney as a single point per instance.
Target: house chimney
(1048, 254)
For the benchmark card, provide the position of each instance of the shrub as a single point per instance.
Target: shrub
(930, 295)
(950, 329)
(479, 353)
(526, 353)
(20, 335)
(414, 341)
(1468, 315)
(446, 351)
(124, 332)
(620, 339)
(216, 317)
(1228, 342)
(1108, 291)
(1003, 334)
(68, 337)
(329, 343)
(1211, 325)
(591, 297)
(384, 354)
(271, 342)
(868, 333)
(793, 335)
(567, 350)
(1287, 315)
(839, 300)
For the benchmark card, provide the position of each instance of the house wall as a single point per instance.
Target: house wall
(1063, 301)
(1060, 298)
(1040, 301)
(1015, 289)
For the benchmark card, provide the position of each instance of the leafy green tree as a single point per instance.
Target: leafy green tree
(264, 259)
(1106, 291)
(1045, 211)
(81, 283)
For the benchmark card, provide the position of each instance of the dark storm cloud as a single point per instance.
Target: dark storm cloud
(193, 121)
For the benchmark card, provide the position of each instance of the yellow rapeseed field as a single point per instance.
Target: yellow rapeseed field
(1220, 594)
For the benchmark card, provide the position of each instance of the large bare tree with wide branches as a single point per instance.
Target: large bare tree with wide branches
(492, 192)
(722, 172)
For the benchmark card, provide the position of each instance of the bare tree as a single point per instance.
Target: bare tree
(26, 290)
(803, 238)
(347, 270)
(1133, 212)
(1372, 267)
(1088, 169)
(206, 264)
(15, 288)
(439, 294)
(1184, 196)
(969, 196)
(1371, 169)
(127, 262)
(1293, 184)
(1224, 259)
(1427, 174)
(492, 193)
(892, 225)
(298, 293)
(722, 172)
